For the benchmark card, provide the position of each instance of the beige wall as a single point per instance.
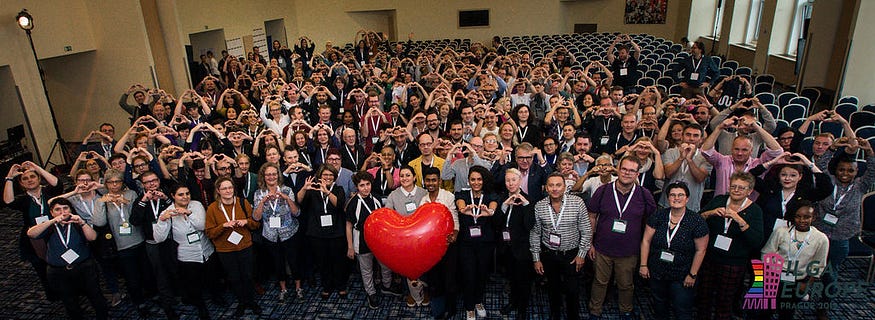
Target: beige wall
(860, 74)
(822, 41)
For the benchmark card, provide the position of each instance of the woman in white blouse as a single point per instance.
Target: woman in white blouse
(183, 223)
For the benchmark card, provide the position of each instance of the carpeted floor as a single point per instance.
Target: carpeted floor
(22, 298)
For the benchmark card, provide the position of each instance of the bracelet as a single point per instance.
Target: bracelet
(10, 179)
(643, 266)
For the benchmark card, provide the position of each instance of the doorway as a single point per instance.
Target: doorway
(275, 30)
(381, 21)
(16, 136)
(201, 43)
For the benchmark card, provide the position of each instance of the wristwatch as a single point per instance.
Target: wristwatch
(693, 276)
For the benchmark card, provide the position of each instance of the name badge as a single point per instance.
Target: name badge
(124, 229)
(624, 71)
(410, 207)
(694, 76)
(555, 239)
(374, 140)
(475, 231)
(274, 222)
(235, 237)
(666, 256)
(830, 219)
(604, 140)
(779, 223)
(325, 221)
(505, 235)
(619, 226)
(788, 277)
(70, 256)
(41, 219)
(193, 237)
(722, 242)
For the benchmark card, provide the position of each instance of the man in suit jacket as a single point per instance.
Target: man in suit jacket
(534, 176)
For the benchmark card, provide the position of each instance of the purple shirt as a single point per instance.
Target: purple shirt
(613, 244)
(725, 168)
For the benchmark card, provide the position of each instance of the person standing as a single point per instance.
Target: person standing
(516, 220)
(404, 200)
(618, 212)
(441, 278)
(562, 232)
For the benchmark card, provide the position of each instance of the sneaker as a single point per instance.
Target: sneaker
(299, 292)
(481, 312)
(283, 296)
(116, 299)
(425, 300)
(410, 301)
(372, 301)
(469, 315)
(391, 291)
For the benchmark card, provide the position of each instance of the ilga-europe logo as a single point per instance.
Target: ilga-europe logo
(763, 292)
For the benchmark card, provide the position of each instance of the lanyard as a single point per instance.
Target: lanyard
(794, 257)
(248, 184)
(476, 210)
(684, 165)
(121, 213)
(728, 221)
(306, 158)
(617, 200)
(233, 210)
(89, 210)
(39, 202)
(354, 157)
(556, 222)
(322, 153)
(363, 203)
(784, 201)
(835, 191)
(325, 199)
(617, 143)
(107, 150)
(607, 123)
(642, 176)
(669, 233)
(156, 204)
(522, 132)
(696, 65)
(375, 124)
(385, 183)
(65, 242)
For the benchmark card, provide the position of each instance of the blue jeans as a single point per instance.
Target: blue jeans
(667, 292)
(838, 252)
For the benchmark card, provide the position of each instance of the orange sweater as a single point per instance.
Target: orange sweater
(219, 235)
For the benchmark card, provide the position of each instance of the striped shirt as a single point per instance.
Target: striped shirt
(573, 227)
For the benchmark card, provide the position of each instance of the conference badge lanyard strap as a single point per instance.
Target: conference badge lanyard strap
(275, 221)
(607, 122)
(522, 133)
(667, 255)
(192, 235)
(235, 236)
(555, 238)
(70, 255)
(354, 156)
(325, 220)
(831, 218)
(694, 76)
(41, 216)
(505, 234)
(619, 225)
(475, 230)
(787, 275)
(124, 228)
(784, 200)
(723, 241)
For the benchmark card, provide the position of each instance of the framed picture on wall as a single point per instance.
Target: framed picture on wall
(646, 11)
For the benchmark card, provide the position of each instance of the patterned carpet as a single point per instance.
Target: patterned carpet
(21, 296)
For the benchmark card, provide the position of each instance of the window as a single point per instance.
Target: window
(799, 27)
(473, 18)
(718, 19)
(753, 23)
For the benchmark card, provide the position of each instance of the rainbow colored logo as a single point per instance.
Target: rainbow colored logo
(766, 278)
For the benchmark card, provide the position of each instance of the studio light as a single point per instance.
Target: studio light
(25, 20)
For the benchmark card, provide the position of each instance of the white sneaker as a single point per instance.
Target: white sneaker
(481, 312)
(469, 315)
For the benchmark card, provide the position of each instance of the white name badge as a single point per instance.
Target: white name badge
(624, 71)
(41, 219)
(830, 219)
(555, 239)
(410, 207)
(274, 222)
(374, 140)
(475, 231)
(325, 221)
(70, 256)
(235, 237)
(505, 235)
(124, 229)
(788, 277)
(619, 226)
(666, 256)
(722, 242)
(604, 140)
(193, 237)
(779, 223)
(694, 76)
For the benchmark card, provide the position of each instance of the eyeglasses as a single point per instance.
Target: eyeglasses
(490, 141)
(737, 187)
(150, 181)
(223, 168)
(84, 180)
(627, 170)
(140, 165)
(333, 159)
(525, 157)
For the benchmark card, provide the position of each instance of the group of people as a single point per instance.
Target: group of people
(266, 173)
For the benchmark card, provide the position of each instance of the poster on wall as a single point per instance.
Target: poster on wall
(646, 11)
(259, 39)
(235, 47)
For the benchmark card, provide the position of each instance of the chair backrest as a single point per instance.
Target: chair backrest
(835, 128)
(850, 99)
(845, 110)
(765, 78)
(792, 112)
(813, 94)
(765, 97)
(675, 89)
(805, 145)
(784, 98)
(717, 60)
(773, 109)
(732, 64)
(861, 118)
(801, 101)
(743, 71)
(780, 124)
(665, 81)
(865, 132)
(726, 71)
(762, 87)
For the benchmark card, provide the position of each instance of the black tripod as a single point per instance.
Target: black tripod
(59, 142)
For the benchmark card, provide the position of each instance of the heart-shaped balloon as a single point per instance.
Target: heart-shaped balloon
(409, 245)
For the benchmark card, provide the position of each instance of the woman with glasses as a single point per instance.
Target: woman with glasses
(228, 225)
(526, 131)
(476, 237)
(323, 201)
(277, 211)
(183, 223)
(113, 209)
(651, 170)
(386, 175)
(735, 227)
(672, 250)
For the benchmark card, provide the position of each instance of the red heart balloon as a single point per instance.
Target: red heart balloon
(409, 245)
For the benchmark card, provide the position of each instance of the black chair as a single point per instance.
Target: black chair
(784, 98)
(865, 132)
(835, 128)
(861, 118)
(765, 78)
(813, 94)
(744, 71)
(850, 99)
(762, 87)
(793, 112)
(845, 110)
(732, 64)
(765, 97)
